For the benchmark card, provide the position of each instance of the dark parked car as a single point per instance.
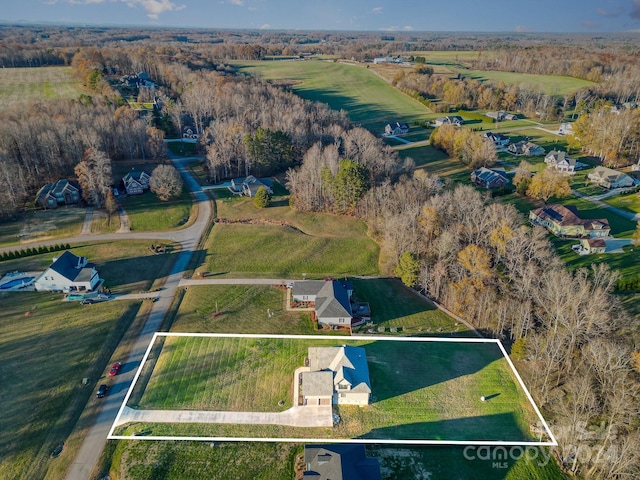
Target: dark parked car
(102, 390)
(115, 368)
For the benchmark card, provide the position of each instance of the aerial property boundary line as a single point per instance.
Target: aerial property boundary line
(552, 441)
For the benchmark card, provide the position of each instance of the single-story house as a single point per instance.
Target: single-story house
(498, 139)
(396, 128)
(502, 115)
(528, 149)
(337, 375)
(449, 120)
(136, 182)
(248, 186)
(593, 245)
(560, 161)
(610, 178)
(346, 461)
(563, 222)
(68, 273)
(489, 178)
(61, 192)
(331, 300)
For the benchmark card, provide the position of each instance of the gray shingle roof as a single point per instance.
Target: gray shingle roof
(317, 384)
(340, 462)
(333, 301)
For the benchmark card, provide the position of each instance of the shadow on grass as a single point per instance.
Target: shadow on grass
(396, 369)
(496, 427)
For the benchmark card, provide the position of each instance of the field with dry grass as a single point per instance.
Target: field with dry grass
(22, 85)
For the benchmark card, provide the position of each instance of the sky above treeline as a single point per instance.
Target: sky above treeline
(369, 15)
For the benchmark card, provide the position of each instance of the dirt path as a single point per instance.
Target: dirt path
(86, 224)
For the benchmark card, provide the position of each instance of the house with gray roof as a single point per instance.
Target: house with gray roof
(248, 186)
(561, 161)
(339, 462)
(68, 273)
(58, 193)
(489, 178)
(331, 300)
(136, 182)
(610, 178)
(337, 375)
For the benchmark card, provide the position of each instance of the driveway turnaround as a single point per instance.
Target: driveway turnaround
(308, 416)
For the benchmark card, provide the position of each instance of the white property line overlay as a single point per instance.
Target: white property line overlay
(552, 443)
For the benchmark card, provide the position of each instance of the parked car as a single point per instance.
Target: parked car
(87, 301)
(115, 368)
(102, 390)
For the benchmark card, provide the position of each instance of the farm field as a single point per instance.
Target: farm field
(368, 99)
(282, 242)
(549, 84)
(46, 348)
(411, 384)
(22, 85)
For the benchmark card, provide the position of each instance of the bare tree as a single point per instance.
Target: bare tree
(94, 176)
(165, 182)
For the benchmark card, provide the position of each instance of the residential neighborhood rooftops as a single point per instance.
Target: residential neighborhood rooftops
(349, 363)
(339, 462)
(565, 217)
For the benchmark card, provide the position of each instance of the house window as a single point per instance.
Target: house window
(343, 387)
(342, 395)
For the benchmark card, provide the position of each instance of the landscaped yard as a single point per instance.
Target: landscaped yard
(630, 202)
(148, 213)
(22, 85)
(412, 387)
(367, 98)
(46, 348)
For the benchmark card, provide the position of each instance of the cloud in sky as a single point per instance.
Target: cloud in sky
(521, 29)
(154, 8)
(635, 9)
(265, 26)
(377, 10)
(407, 28)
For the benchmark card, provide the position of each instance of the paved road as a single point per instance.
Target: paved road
(96, 438)
(634, 217)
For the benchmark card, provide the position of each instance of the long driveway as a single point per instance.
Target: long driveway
(189, 238)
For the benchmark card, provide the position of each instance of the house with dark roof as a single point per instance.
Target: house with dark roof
(449, 120)
(58, 193)
(563, 222)
(337, 375)
(331, 300)
(528, 149)
(339, 462)
(136, 182)
(68, 273)
(396, 128)
(498, 139)
(489, 178)
(591, 246)
(610, 178)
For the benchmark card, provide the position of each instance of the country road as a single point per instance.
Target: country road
(189, 238)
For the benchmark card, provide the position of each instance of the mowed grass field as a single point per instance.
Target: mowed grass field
(46, 348)
(368, 99)
(412, 388)
(40, 225)
(22, 85)
(148, 213)
(283, 242)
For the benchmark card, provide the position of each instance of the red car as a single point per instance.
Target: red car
(115, 368)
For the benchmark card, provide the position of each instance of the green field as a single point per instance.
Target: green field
(46, 348)
(630, 202)
(411, 385)
(22, 85)
(281, 242)
(549, 84)
(147, 213)
(368, 99)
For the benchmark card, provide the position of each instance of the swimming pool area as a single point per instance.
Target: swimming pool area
(19, 282)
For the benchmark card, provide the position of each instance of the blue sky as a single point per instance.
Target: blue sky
(375, 15)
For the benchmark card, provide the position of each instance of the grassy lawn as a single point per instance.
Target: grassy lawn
(620, 227)
(284, 242)
(243, 310)
(126, 266)
(549, 84)
(40, 225)
(367, 98)
(411, 384)
(436, 162)
(148, 213)
(182, 148)
(394, 305)
(630, 202)
(22, 85)
(46, 348)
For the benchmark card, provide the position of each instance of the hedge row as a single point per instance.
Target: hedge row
(33, 251)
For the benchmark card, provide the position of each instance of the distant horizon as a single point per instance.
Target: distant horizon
(492, 16)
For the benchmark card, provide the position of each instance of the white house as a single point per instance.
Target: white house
(610, 178)
(560, 161)
(396, 128)
(565, 129)
(68, 273)
(338, 375)
(450, 120)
